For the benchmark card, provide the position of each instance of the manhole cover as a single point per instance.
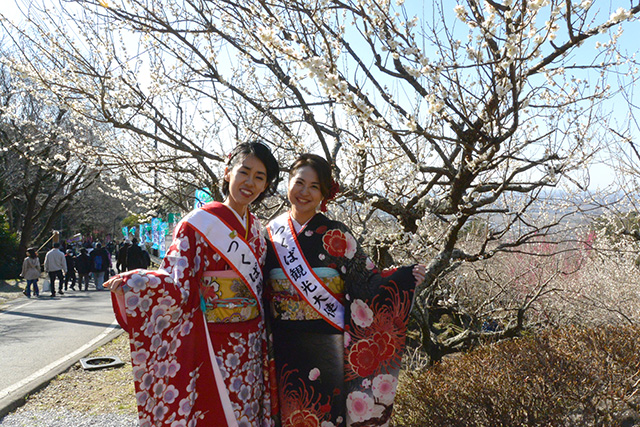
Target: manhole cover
(94, 363)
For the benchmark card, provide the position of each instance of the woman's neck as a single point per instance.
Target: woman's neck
(301, 219)
(240, 210)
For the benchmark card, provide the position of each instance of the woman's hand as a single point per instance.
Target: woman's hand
(114, 285)
(419, 271)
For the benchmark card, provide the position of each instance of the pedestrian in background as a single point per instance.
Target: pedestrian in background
(70, 258)
(83, 266)
(31, 272)
(100, 263)
(121, 256)
(56, 266)
(135, 258)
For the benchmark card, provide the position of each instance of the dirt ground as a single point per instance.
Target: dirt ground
(95, 392)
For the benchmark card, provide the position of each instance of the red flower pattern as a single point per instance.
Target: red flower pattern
(335, 243)
(363, 357)
(302, 419)
(386, 344)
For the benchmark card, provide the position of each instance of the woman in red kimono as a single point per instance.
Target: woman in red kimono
(198, 342)
(339, 324)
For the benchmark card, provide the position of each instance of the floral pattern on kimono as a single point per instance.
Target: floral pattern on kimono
(368, 352)
(173, 363)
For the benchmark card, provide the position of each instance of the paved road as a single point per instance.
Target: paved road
(42, 337)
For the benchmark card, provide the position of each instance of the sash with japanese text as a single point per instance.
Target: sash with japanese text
(297, 269)
(230, 246)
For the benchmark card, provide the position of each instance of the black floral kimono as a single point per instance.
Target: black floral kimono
(327, 376)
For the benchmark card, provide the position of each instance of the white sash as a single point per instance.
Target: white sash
(232, 247)
(301, 275)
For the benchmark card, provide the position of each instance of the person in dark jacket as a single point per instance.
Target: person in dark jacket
(100, 263)
(121, 256)
(83, 266)
(70, 275)
(135, 258)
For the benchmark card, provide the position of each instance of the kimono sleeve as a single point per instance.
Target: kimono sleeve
(377, 308)
(172, 361)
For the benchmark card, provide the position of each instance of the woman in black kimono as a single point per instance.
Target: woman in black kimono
(339, 324)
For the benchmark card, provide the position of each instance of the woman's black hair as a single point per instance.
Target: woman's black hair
(262, 152)
(318, 164)
(32, 253)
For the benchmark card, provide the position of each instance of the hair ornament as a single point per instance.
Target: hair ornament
(333, 191)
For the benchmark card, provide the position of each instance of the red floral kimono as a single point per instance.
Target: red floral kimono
(198, 343)
(328, 377)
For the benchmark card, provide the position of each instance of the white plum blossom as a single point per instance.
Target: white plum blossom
(359, 407)
(620, 15)
(361, 314)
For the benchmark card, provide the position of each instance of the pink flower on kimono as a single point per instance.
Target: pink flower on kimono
(137, 282)
(236, 384)
(186, 328)
(170, 394)
(369, 264)
(157, 311)
(131, 301)
(161, 368)
(163, 350)
(179, 423)
(142, 397)
(347, 339)
(166, 301)
(173, 368)
(327, 424)
(153, 280)
(245, 393)
(145, 303)
(359, 406)
(145, 422)
(384, 388)
(160, 411)
(361, 314)
(138, 372)
(147, 381)
(352, 245)
(174, 345)
(159, 388)
(162, 323)
(366, 383)
(233, 360)
(140, 357)
(182, 243)
(156, 342)
(314, 374)
(184, 407)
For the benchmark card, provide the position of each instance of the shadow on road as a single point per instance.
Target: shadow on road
(60, 319)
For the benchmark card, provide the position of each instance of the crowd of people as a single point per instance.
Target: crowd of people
(75, 267)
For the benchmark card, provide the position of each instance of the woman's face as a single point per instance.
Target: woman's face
(247, 180)
(304, 193)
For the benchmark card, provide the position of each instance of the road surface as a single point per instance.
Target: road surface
(42, 337)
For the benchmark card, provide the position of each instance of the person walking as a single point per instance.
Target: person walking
(83, 266)
(70, 258)
(55, 265)
(31, 272)
(100, 262)
(121, 256)
(135, 258)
